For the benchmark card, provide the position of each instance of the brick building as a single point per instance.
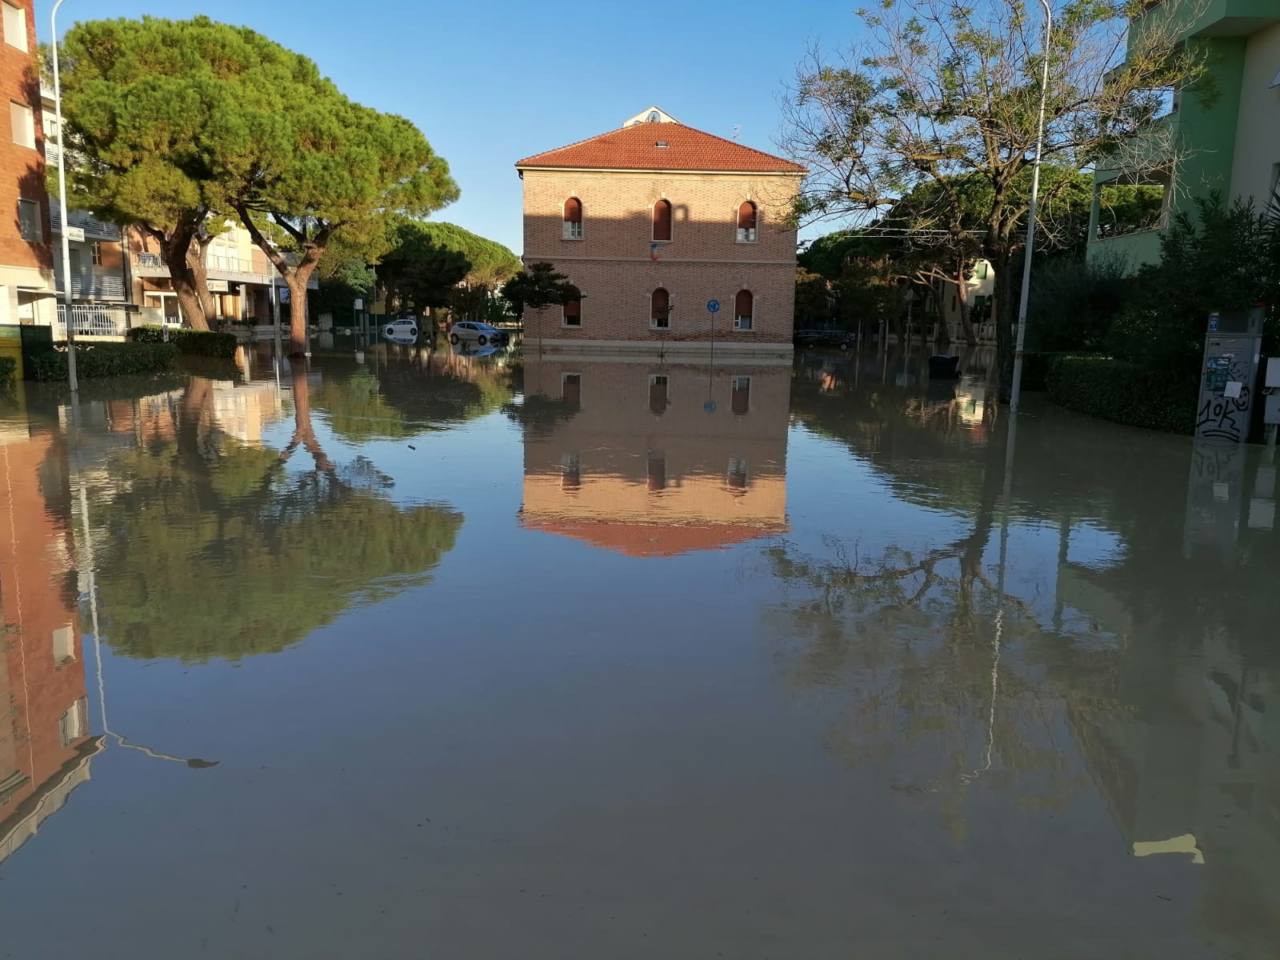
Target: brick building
(26, 258)
(653, 220)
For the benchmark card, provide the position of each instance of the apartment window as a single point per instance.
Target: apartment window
(95, 252)
(23, 122)
(572, 219)
(15, 26)
(662, 221)
(659, 398)
(571, 314)
(743, 310)
(64, 644)
(29, 226)
(657, 470)
(660, 309)
(72, 723)
(747, 217)
(571, 390)
(740, 395)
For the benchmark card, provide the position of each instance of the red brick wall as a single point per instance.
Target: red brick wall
(21, 168)
(617, 266)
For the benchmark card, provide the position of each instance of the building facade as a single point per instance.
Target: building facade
(651, 222)
(26, 259)
(1225, 130)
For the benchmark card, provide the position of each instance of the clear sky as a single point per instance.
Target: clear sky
(491, 81)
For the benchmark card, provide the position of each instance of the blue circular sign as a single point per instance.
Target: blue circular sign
(713, 306)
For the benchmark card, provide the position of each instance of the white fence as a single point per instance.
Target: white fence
(91, 321)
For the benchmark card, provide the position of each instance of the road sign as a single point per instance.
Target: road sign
(359, 303)
(713, 306)
(75, 234)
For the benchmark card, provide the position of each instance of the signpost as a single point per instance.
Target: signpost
(75, 234)
(713, 307)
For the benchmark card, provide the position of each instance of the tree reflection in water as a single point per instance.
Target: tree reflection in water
(212, 547)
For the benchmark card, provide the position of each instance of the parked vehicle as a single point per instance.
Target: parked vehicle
(403, 331)
(843, 339)
(481, 333)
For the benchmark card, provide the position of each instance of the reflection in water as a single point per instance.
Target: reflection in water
(45, 741)
(654, 459)
(214, 546)
(1142, 669)
(768, 637)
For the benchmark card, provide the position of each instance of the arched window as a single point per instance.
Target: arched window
(572, 219)
(743, 310)
(660, 309)
(747, 217)
(662, 221)
(572, 313)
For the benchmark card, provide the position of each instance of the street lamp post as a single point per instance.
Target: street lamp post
(1016, 392)
(62, 203)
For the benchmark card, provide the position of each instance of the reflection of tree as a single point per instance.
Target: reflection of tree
(403, 398)
(214, 549)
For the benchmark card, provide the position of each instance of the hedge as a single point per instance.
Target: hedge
(194, 343)
(1122, 392)
(105, 360)
(8, 367)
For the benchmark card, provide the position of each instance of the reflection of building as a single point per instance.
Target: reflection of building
(654, 220)
(26, 259)
(655, 459)
(45, 744)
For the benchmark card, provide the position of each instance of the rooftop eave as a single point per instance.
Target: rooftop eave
(521, 168)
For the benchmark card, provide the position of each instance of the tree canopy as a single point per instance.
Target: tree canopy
(537, 287)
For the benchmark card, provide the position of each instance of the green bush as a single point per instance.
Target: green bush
(1073, 303)
(106, 360)
(1124, 392)
(192, 343)
(8, 367)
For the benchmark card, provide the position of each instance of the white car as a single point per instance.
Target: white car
(481, 333)
(402, 331)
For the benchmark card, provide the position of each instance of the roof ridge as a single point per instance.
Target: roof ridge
(793, 165)
(576, 143)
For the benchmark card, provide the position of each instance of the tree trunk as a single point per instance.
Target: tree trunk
(962, 305)
(1003, 310)
(174, 247)
(297, 312)
(200, 275)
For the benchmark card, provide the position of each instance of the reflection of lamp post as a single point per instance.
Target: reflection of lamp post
(62, 202)
(1016, 388)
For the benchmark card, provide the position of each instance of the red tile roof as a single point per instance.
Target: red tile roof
(637, 148)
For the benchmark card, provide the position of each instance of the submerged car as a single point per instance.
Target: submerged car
(843, 339)
(402, 331)
(474, 330)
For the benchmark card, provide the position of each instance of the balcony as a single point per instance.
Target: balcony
(92, 321)
(99, 286)
(94, 229)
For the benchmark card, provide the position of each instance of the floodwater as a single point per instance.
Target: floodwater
(443, 656)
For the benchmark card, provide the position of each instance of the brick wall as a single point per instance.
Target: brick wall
(21, 168)
(617, 266)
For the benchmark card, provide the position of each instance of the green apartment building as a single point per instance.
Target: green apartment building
(1227, 129)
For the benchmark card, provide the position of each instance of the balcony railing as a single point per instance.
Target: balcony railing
(99, 286)
(93, 227)
(91, 321)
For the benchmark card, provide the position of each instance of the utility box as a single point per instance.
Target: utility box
(1229, 376)
(1271, 393)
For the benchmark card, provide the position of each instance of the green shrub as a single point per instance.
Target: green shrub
(1123, 392)
(8, 367)
(1073, 304)
(192, 343)
(106, 360)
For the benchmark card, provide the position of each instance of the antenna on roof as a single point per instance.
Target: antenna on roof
(737, 130)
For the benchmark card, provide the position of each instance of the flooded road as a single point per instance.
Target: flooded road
(488, 657)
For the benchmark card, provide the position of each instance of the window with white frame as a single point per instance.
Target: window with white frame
(659, 394)
(22, 121)
(740, 395)
(743, 310)
(736, 475)
(29, 226)
(95, 252)
(660, 309)
(572, 219)
(748, 216)
(15, 26)
(73, 723)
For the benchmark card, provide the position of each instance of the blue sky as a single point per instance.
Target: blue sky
(490, 82)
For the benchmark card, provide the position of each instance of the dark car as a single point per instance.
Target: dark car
(842, 339)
